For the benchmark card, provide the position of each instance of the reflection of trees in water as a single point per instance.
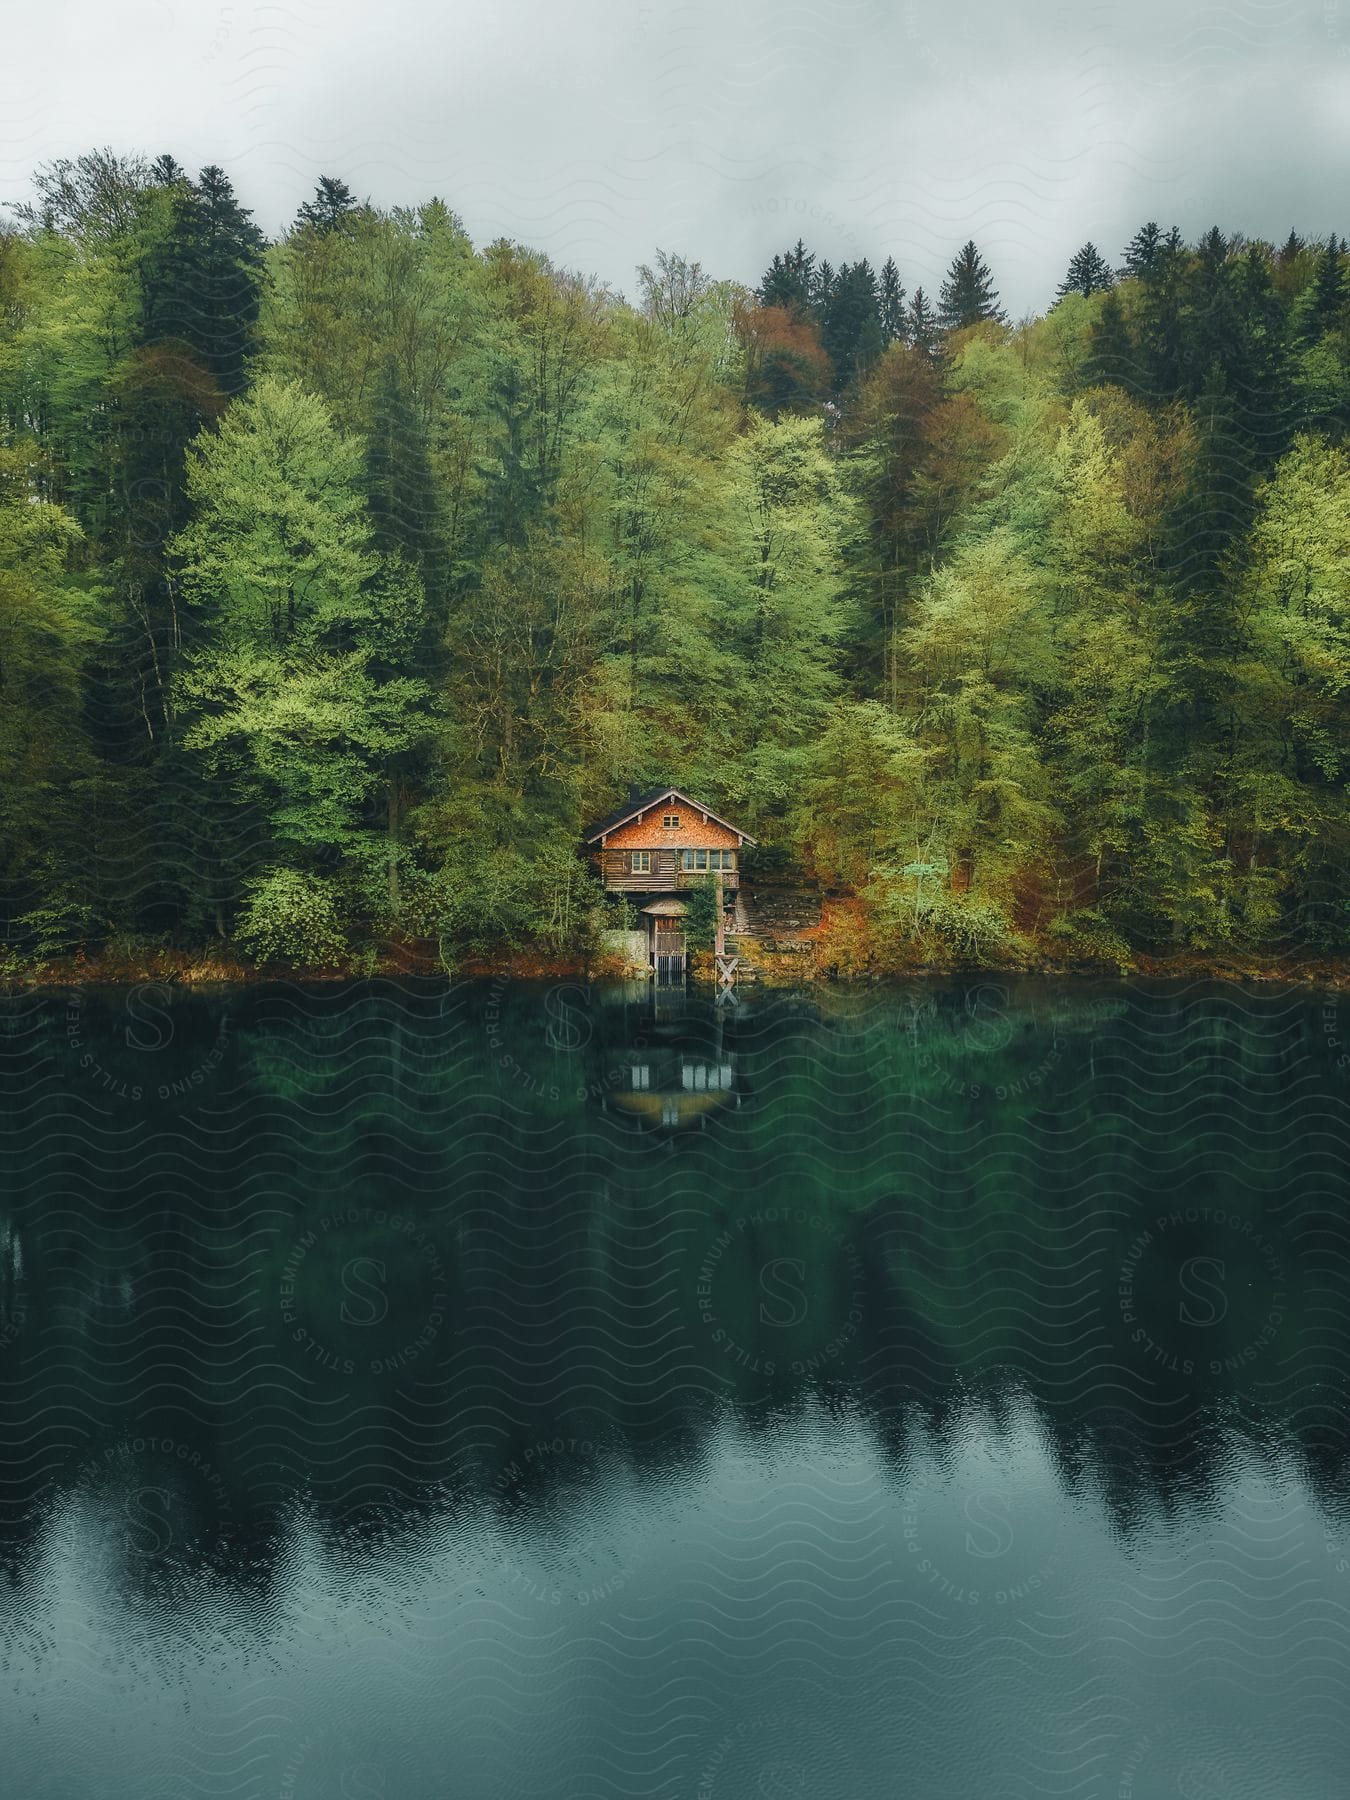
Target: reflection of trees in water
(923, 1203)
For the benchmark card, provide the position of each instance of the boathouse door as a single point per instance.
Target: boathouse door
(668, 947)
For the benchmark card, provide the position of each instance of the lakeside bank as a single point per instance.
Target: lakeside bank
(797, 966)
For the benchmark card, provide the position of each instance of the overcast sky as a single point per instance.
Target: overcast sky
(598, 129)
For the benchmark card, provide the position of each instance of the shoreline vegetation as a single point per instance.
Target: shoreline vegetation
(343, 577)
(413, 961)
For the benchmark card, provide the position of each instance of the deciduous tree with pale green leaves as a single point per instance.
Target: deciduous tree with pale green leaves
(787, 517)
(47, 629)
(296, 690)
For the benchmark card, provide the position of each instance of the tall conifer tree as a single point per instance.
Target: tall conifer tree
(891, 304)
(1088, 274)
(968, 295)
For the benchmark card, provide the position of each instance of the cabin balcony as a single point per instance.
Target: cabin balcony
(687, 878)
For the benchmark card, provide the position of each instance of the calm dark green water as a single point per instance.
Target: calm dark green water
(928, 1392)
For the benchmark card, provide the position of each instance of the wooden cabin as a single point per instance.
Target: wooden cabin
(656, 845)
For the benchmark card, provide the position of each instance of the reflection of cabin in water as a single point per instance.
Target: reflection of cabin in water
(675, 1087)
(657, 846)
(678, 1067)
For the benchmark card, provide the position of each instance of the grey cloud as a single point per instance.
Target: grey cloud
(597, 130)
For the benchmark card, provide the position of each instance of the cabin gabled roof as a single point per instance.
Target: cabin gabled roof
(634, 808)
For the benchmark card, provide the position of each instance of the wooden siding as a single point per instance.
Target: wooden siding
(692, 833)
(664, 876)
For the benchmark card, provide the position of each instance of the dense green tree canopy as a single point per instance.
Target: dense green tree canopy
(343, 578)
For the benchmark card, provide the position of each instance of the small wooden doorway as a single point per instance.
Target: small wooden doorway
(668, 946)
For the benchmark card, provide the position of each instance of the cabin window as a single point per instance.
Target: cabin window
(671, 821)
(707, 859)
(641, 862)
(696, 1077)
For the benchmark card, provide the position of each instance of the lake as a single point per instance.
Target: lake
(451, 1391)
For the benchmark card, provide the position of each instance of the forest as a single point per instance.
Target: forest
(343, 578)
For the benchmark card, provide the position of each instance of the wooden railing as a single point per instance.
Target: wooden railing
(685, 878)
